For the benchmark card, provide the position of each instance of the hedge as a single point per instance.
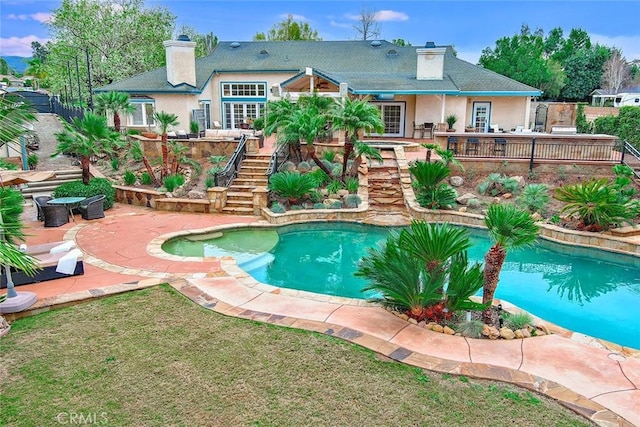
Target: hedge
(96, 186)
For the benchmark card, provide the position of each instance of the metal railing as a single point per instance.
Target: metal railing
(631, 157)
(230, 171)
(278, 157)
(535, 149)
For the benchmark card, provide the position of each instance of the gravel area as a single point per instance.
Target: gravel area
(46, 127)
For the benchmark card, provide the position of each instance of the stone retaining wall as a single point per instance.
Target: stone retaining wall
(137, 196)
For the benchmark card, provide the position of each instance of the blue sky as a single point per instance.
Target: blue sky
(469, 25)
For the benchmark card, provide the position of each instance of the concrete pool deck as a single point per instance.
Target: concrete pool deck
(598, 380)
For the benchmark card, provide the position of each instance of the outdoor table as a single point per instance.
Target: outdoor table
(70, 202)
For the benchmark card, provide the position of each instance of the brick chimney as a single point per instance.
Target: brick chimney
(430, 62)
(181, 61)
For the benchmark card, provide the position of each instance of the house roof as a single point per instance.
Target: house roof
(368, 68)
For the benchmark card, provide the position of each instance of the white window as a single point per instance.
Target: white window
(206, 106)
(244, 90)
(143, 113)
(237, 113)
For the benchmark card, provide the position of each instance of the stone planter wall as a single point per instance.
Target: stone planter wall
(137, 196)
(175, 204)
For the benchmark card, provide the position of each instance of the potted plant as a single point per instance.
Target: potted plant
(32, 161)
(194, 129)
(451, 120)
(258, 126)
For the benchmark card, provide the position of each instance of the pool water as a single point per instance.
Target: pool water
(584, 290)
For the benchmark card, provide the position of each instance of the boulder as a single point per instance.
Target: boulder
(519, 179)
(496, 200)
(536, 216)
(507, 333)
(343, 192)
(447, 330)
(490, 331)
(456, 181)
(193, 194)
(462, 209)
(437, 328)
(507, 195)
(519, 333)
(464, 199)
(413, 321)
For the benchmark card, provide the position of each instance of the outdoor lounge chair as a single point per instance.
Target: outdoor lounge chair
(53, 266)
(40, 201)
(92, 207)
(55, 215)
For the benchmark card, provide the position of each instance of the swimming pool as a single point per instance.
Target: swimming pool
(584, 290)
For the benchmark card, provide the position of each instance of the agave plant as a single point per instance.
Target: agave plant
(597, 203)
(291, 185)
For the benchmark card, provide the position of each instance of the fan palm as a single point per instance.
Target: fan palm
(354, 116)
(510, 228)
(115, 103)
(165, 120)
(364, 151)
(15, 114)
(304, 124)
(87, 137)
(137, 153)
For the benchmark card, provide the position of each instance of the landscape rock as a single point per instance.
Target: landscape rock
(462, 209)
(519, 333)
(437, 328)
(507, 195)
(464, 199)
(507, 333)
(447, 330)
(456, 181)
(342, 193)
(329, 202)
(496, 200)
(490, 331)
(520, 180)
(194, 194)
(536, 216)
(526, 333)
(404, 316)
(413, 321)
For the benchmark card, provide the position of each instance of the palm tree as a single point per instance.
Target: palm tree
(87, 137)
(304, 124)
(434, 244)
(14, 115)
(36, 70)
(138, 154)
(510, 228)
(362, 150)
(354, 116)
(165, 119)
(115, 103)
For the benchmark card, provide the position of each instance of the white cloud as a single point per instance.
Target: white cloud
(629, 45)
(391, 15)
(19, 46)
(340, 24)
(41, 17)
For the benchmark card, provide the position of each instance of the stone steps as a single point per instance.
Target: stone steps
(252, 174)
(47, 187)
(234, 210)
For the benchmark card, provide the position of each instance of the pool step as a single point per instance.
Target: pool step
(257, 262)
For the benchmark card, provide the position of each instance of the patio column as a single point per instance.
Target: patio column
(218, 197)
(253, 145)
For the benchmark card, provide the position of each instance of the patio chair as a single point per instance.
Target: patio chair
(500, 146)
(472, 146)
(452, 144)
(92, 207)
(40, 201)
(428, 128)
(55, 215)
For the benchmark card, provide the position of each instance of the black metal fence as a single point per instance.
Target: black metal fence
(230, 171)
(278, 157)
(67, 112)
(536, 149)
(631, 157)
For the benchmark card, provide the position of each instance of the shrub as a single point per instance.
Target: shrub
(129, 178)
(534, 198)
(336, 171)
(582, 125)
(334, 186)
(598, 204)
(517, 320)
(96, 186)
(497, 184)
(296, 207)
(288, 166)
(115, 164)
(336, 205)
(304, 167)
(351, 184)
(473, 203)
(327, 163)
(146, 178)
(277, 208)
(7, 165)
(319, 177)
(606, 125)
(209, 182)
(329, 156)
(352, 201)
(432, 193)
(315, 196)
(319, 206)
(291, 185)
(471, 328)
(172, 182)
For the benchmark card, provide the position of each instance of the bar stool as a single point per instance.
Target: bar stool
(452, 144)
(500, 146)
(472, 146)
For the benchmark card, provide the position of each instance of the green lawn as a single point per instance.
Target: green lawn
(153, 357)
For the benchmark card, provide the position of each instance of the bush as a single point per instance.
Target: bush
(336, 171)
(517, 320)
(351, 184)
(471, 329)
(334, 186)
(96, 186)
(319, 206)
(115, 164)
(606, 125)
(297, 207)
(497, 184)
(291, 185)
(352, 201)
(315, 196)
(277, 208)
(431, 192)
(129, 178)
(288, 166)
(319, 176)
(172, 182)
(336, 205)
(304, 167)
(534, 198)
(329, 156)
(146, 179)
(473, 203)
(209, 182)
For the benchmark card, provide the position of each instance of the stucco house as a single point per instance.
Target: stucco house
(411, 85)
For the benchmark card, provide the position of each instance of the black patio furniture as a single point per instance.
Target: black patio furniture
(55, 215)
(472, 146)
(40, 201)
(92, 207)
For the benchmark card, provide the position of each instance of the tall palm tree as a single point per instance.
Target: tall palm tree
(137, 153)
(87, 137)
(354, 116)
(510, 228)
(115, 103)
(165, 120)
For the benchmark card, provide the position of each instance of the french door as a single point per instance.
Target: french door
(481, 116)
(393, 118)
